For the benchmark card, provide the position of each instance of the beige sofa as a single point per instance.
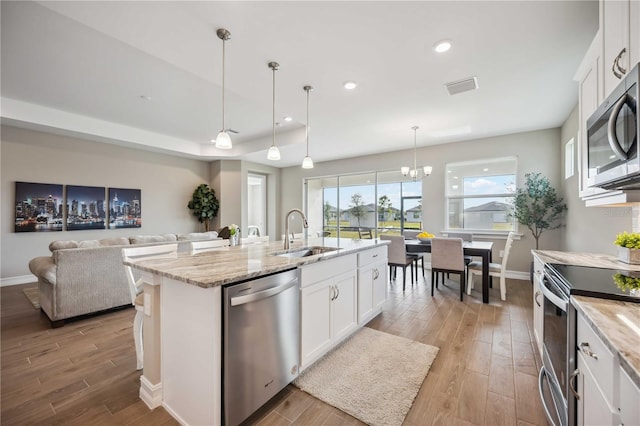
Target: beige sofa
(85, 277)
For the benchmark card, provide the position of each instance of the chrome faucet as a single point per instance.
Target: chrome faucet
(286, 225)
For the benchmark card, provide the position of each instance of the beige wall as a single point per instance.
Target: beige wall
(588, 229)
(167, 183)
(536, 151)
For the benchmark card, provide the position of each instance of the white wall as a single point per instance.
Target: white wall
(588, 229)
(167, 183)
(536, 151)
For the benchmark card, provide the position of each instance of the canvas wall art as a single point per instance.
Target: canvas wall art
(39, 207)
(85, 207)
(125, 208)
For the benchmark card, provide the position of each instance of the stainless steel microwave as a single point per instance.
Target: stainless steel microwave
(612, 138)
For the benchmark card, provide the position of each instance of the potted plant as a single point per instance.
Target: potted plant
(537, 206)
(204, 205)
(628, 247)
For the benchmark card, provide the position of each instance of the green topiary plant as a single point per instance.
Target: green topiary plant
(537, 206)
(204, 204)
(631, 241)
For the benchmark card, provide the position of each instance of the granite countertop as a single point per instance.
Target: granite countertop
(618, 325)
(595, 260)
(227, 265)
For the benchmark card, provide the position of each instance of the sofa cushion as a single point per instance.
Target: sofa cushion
(118, 241)
(62, 244)
(143, 239)
(198, 236)
(88, 244)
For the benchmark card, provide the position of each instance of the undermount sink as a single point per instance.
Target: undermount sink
(306, 251)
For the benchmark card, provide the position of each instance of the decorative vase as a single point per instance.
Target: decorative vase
(630, 256)
(233, 240)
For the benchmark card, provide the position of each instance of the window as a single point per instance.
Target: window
(344, 206)
(480, 194)
(568, 159)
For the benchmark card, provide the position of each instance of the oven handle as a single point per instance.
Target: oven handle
(541, 377)
(560, 303)
(611, 129)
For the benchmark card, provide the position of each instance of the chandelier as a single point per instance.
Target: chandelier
(414, 173)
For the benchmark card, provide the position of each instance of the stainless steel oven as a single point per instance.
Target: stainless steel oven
(558, 357)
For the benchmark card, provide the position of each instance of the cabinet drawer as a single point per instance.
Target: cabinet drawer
(629, 400)
(597, 357)
(315, 272)
(373, 255)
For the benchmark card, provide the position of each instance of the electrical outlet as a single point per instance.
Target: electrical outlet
(501, 253)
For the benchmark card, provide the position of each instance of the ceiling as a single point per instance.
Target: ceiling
(148, 74)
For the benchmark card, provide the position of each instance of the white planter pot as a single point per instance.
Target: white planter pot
(630, 256)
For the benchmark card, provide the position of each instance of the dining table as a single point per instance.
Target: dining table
(470, 248)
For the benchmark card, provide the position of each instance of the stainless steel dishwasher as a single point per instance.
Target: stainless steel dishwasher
(261, 342)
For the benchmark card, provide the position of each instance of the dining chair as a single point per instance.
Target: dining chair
(495, 269)
(136, 286)
(411, 234)
(397, 256)
(209, 245)
(365, 233)
(447, 256)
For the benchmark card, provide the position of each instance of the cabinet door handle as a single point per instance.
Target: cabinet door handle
(375, 255)
(332, 293)
(376, 274)
(622, 52)
(535, 298)
(571, 380)
(337, 292)
(586, 349)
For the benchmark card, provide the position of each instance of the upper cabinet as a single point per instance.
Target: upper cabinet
(619, 21)
(613, 52)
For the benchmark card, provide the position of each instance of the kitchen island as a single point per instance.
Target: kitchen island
(183, 316)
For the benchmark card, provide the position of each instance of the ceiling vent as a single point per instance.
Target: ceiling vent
(460, 86)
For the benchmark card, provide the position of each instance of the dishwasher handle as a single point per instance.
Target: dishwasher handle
(259, 295)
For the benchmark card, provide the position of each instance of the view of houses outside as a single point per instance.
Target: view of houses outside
(353, 206)
(486, 203)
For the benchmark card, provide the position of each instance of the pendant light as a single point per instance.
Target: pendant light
(307, 163)
(223, 140)
(274, 152)
(414, 173)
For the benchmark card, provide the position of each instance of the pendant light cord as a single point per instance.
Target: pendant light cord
(273, 120)
(308, 89)
(224, 42)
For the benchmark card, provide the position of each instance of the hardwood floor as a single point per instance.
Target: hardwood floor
(84, 373)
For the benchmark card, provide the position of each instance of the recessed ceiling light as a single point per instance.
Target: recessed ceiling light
(350, 85)
(442, 46)
(485, 170)
(287, 118)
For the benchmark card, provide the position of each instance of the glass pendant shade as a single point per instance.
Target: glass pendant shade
(307, 163)
(274, 153)
(223, 141)
(413, 173)
(404, 170)
(427, 170)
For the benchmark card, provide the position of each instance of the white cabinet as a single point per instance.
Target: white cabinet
(629, 407)
(619, 30)
(538, 299)
(596, 365)
(607, 395)
(619, 21)
(328, 306)
(372, 283)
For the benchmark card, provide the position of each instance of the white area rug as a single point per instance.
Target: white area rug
(373, 376)
(33, 295)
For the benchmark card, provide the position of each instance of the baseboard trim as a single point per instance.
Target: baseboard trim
(150, 394)
(518, 275)
(21, 279)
